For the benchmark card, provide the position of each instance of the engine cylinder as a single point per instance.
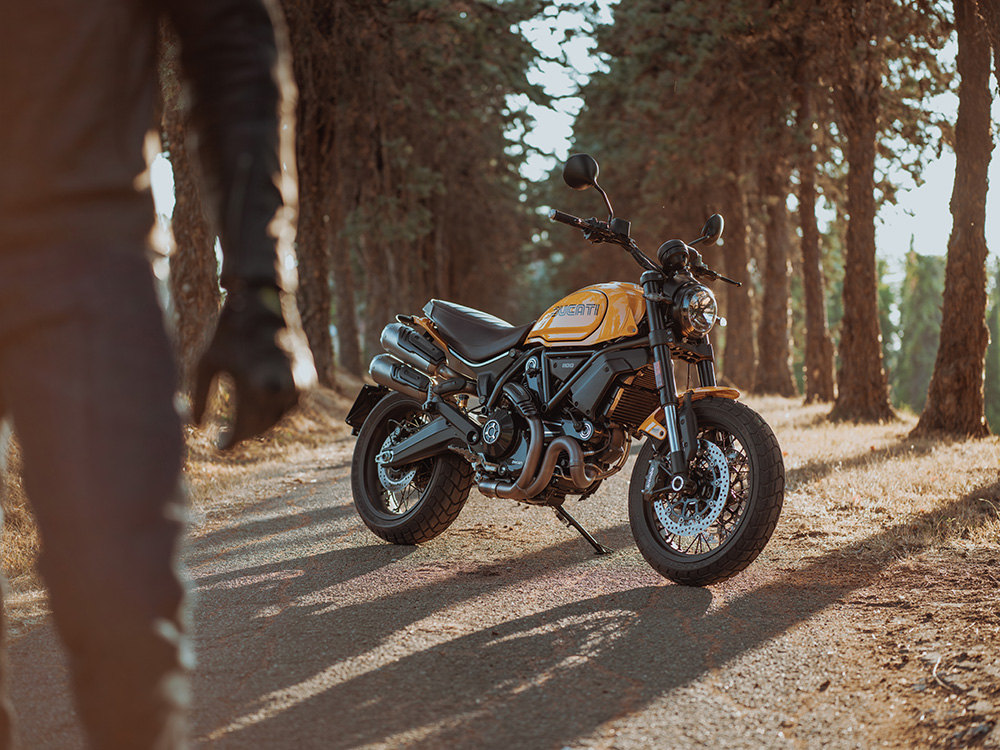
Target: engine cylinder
(388, 371)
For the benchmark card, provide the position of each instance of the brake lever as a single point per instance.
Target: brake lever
(703, 270)
(598, 231)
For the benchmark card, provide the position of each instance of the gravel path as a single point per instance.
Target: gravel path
(506, 632)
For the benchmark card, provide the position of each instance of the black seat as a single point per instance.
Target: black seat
(473, 334)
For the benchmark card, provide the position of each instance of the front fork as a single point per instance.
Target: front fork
(678, 418)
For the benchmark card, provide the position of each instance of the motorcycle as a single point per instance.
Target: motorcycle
(547, 410)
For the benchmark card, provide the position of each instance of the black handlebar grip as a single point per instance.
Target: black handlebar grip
(565, 218)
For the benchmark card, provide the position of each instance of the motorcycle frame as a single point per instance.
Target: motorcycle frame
(601, 366)
(674, 423)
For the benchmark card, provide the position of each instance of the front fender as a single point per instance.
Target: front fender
(654, 424)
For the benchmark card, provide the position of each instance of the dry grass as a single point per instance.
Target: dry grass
(870, 490)
(20, 536)
(209, 473)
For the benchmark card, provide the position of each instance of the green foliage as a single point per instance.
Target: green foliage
(886, 301)
(700, 98)
(992, 394)
(405, 106)
(920, 329)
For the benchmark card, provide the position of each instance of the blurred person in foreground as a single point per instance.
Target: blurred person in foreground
(86, 370)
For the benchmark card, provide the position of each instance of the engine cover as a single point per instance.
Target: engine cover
(499, 434)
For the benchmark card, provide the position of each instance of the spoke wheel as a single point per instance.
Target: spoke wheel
(719, 524)
(413, 503)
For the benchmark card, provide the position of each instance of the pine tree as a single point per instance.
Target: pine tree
(194, 275)
(955, 398)
(920, 327)
(858, 29)
(408, 188)
(992, 369)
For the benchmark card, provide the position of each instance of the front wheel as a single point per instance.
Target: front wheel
(413, 503)
(717, 526)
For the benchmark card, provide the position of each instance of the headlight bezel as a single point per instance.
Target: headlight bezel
(696, 311)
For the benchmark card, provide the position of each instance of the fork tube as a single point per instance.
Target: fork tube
(660, 337)
(706, 368)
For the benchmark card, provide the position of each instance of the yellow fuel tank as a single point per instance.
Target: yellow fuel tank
(591, 315)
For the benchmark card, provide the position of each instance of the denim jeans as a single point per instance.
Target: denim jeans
(87, 375)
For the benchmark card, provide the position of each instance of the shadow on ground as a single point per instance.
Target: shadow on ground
(321, 650)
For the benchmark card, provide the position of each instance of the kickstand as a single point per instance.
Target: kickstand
(566, 518)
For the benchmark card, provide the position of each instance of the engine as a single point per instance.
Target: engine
(578, 452)
(500, 434)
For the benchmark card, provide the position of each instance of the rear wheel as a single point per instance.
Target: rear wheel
(413, 503)
(715, 528)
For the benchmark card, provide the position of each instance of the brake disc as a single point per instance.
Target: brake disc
(394, 480)
(690, 514)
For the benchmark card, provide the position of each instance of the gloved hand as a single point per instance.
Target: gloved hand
(245, 347)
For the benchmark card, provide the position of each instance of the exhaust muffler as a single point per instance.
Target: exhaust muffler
(388, 371)
(411, 348)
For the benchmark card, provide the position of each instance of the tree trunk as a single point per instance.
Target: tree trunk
(862, 389)
(819, 347)
(312, 147)
(312, 244)
(194, 272)
(739, 358)
(863, 393)
(990, 11)
(346, 308)
(774, 370)
(955, 397)
(382, 295)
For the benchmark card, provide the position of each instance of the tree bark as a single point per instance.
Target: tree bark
(990, 12)
(955, 397)
(346, 308)
(312, 246)
(312, 149)
(818, 366)
(774, 370)
(863, 393)
(862, 388)
(739, 357)
(194, 272)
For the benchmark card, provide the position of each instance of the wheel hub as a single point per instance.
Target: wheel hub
(394, 480)
(691, 513)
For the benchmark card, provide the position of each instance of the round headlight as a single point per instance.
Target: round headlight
(697, 311)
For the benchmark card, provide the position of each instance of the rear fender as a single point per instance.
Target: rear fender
(363, 405)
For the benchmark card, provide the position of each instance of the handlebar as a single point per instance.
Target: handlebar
(599, 231)
(595, 230)
(703, 270)
(565, 218)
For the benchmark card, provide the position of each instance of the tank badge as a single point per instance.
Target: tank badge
(584, 308)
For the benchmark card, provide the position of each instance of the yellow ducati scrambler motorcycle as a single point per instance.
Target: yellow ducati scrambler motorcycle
(547, 410)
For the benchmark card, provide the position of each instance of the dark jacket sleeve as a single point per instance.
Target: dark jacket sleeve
(229, 56)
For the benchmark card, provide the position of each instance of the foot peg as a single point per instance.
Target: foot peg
(566, 518)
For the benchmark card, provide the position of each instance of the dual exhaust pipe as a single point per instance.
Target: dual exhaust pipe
(411, 360)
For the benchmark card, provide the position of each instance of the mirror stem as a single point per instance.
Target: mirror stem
(611, 211)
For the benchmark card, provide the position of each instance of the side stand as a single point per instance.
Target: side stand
(566, 518)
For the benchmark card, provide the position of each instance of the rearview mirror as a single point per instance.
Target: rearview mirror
(712, 230)
(580, 171)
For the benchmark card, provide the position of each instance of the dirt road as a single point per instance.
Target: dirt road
(508, 632)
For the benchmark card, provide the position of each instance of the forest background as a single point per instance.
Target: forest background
(422, 173)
